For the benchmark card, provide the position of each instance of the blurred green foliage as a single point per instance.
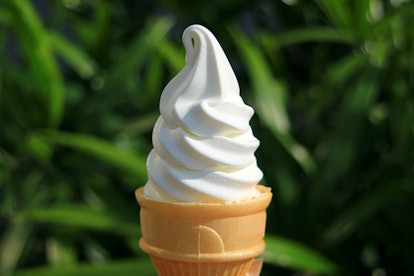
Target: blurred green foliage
(332, 85)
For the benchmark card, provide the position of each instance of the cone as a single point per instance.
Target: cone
(204, 238)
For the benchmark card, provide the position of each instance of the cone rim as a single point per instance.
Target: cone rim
(206, 210)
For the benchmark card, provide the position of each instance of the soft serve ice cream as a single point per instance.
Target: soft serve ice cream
(202, 212)
(203, 143)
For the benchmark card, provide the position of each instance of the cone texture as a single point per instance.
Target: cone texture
(172, 267)
(203, 238)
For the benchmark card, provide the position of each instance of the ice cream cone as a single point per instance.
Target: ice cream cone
(204, 238)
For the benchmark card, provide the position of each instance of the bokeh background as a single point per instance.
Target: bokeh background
(331, 82)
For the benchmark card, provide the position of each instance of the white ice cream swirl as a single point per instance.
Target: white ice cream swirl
(203, 144)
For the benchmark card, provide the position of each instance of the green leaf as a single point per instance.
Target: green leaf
(286, 253)
(337, 75)
(135, 55)
(270, 95)
(81, 216)
(406, 10)
(81, 62)
(341, 71)
(141, 125)
(338, 11)
(133, 267)
(38, 147)
(361, 12)
(153, 78)
(366, 207)
(43, 65)
(60, 253)
(175, 57)
(128, 62)
(123, 159)
(341, 145)
(268, 108)
(313, 34)
(6, 17)
(13, 243)
(287, 188)
(95, 29)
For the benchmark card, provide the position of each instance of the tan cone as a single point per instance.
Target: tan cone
(204, 238)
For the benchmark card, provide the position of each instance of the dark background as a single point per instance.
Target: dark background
(331, 82)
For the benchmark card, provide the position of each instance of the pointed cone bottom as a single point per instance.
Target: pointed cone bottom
(204, 238)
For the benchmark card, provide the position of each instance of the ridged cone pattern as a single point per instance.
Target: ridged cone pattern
(167, 267)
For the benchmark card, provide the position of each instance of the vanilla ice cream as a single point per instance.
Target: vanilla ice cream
(203, 143)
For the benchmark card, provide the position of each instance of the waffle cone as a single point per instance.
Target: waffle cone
(204, 238)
